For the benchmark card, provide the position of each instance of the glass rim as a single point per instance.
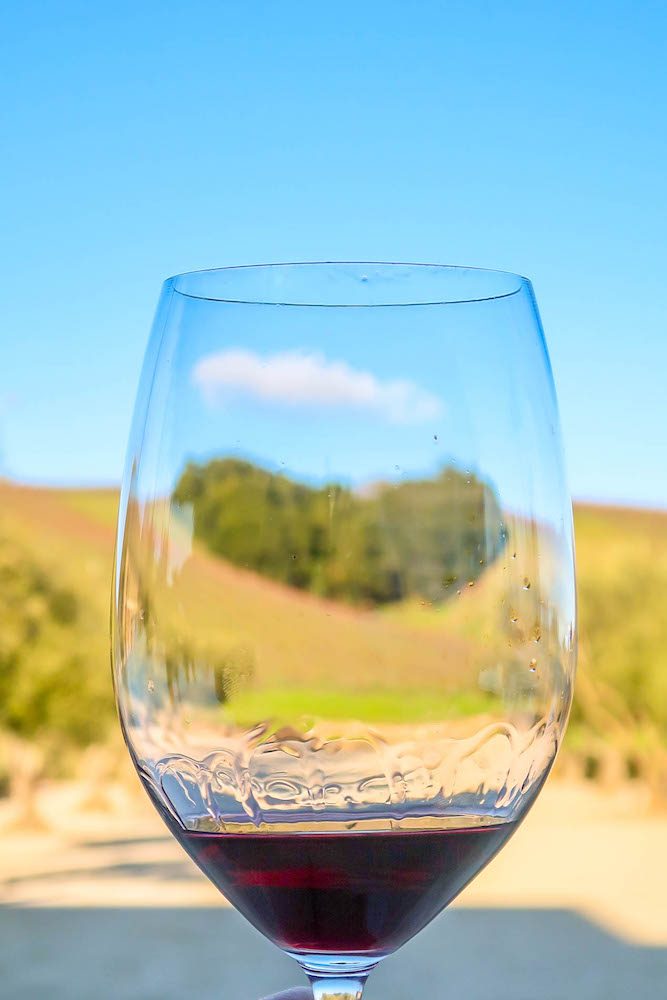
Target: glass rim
(500, 284)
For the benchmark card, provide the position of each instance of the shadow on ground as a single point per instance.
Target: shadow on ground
(213, 954)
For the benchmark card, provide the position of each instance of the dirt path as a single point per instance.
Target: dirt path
(582, 849)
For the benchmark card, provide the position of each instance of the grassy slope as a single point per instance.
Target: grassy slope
(310, 654)
(622, 564)
(60, 689)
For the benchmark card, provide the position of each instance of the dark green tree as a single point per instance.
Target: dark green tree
(421, 537)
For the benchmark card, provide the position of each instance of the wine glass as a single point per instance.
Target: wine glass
(344, 595)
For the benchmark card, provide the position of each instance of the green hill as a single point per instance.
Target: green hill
(55, 566)
(400, 541)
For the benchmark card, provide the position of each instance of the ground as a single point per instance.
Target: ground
(102, 903)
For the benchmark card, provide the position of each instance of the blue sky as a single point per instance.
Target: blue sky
(147, 139)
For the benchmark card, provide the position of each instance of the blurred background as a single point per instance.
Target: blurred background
(142, 140)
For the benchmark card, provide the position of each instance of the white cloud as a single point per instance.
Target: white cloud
(312, 380)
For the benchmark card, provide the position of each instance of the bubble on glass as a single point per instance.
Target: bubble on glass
(532, 666)
(151, 686)
(526, 583)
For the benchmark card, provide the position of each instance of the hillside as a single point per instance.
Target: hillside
(60, 542)
(619, 721)
(400, 540)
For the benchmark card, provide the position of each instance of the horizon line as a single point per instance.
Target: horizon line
(619, 504)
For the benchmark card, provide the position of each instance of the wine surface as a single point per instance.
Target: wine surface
(343, 893)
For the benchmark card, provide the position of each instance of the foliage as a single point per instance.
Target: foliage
(55, 566)
(619, 719)
(227, 668)
(49, 686)
(414, 538)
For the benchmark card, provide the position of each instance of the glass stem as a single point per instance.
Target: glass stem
(337, 987)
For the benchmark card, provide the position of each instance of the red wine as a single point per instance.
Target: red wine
(343, 893)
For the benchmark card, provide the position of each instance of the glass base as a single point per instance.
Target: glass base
(336, 977)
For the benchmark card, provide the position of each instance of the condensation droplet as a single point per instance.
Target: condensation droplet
(537, 633)
(435, 437)
(481, 562)
(514, 619)
(514, 555)
(151, 687)
(458, 593)
(526, 583)
(471, 583)
(364, 277)
(532, 666)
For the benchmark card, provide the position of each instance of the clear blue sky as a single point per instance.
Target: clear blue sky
(145, 139)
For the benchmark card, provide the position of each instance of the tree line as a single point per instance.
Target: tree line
(420, 537)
